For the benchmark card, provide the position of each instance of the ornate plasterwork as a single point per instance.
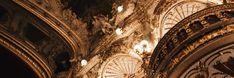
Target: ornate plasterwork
(133, 23)
(121, 66)
(190, 48)
(163, 6)
(122, 46)
(169, 12)
(168, 53)
(200, 42)
(178, 12)
(72, 28)
(130, 24)
(134, 20)
(210, 66)
(91, 68)
(64, 21)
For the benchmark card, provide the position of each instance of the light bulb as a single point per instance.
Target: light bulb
(84, 62)
(120, 8)
(118, 31)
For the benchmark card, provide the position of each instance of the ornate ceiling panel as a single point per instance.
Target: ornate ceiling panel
(117, 37)
(192, 33)
(217, 64)
(178, 12)
(169, 12)
(122, 66)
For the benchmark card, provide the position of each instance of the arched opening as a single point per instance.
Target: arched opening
(14, 67)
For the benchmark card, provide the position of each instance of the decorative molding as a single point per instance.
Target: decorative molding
(178, 37)
(63, 21)
(121, 66)
(201, 42)
(92, 62)
(211, 65)
(27, 54)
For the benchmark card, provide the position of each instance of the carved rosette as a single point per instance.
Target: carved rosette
(121, 66)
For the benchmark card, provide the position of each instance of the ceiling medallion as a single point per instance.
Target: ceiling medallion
(122, 66)
(178, 12)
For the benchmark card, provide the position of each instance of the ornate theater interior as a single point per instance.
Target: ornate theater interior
(117, 38)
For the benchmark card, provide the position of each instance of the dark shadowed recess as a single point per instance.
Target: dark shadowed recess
(86, 9)
(13, 67)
